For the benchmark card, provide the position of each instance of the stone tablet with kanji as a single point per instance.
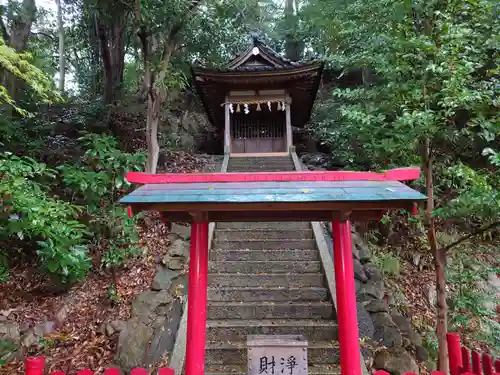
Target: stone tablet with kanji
(277, 355)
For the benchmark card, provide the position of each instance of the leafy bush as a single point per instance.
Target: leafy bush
(98, 181)
(6, 350)
(124, 244)
(101, 174)
(475, 193)
(29, 213)
(469, 300)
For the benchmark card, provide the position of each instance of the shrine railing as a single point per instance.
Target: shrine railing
(36, 365)
(462, 361)
(465, 361)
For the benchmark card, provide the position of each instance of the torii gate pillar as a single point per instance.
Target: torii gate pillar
(197, 298)
(346, 298)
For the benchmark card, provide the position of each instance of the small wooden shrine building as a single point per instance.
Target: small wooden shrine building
(257, 99)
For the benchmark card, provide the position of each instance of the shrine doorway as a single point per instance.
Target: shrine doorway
(258, 132)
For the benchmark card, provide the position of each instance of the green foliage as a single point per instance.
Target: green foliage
(113, 293)
(124, 243)
(422, 67)
(29, 212)
(475, 194)
(19, 66)
(469, 300)
(98, 181)
(428, 71)
(387, 263)
(55, 225)
(4, 267)
(101, 174)
(6, 349)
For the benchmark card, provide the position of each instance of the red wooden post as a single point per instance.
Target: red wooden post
(476, 363)
(139, 371)
(346, 299)
(487, 362)
(35, 365)
(166, 371)
(454, 353)
(465, 360)
(197, 299)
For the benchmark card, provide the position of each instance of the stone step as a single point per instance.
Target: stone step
(263, 160)
(288, 266)
(266, 280)
(261, 169)
(243, 169)
(269, 225)
(269, 310)
(263, 234)
(265, 244)
(238, 330)
(249, 294)
(314, 369)
(260, 165)
(235, 353)
(264, 255)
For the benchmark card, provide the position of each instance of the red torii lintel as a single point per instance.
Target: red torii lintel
(398, 174)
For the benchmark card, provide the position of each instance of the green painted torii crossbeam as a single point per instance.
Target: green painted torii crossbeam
(332, 197)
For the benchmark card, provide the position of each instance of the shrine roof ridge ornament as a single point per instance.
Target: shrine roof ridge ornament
(397, 174)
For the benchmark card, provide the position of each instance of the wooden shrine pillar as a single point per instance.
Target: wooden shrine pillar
(227, 128)
(289, 133)
(197, 298)
(346, 298)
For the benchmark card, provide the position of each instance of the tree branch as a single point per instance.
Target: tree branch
(43, 34)
(170, 42)
(473, 234)
(177, 27)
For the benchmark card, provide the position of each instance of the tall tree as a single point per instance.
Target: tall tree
(62, 57)
(293, 46)
(159, 42)
(111, 18)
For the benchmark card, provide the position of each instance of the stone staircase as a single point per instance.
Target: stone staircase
(261, 164)
(267, 278)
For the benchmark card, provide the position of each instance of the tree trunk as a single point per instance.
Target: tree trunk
(157, 96)
(154, 105)
(112, 40)
(18, 39)
(293, 47)
(439, 262)
(95, 56)
(62, 62)
(21, 26)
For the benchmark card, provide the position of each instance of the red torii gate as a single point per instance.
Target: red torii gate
(280, 196)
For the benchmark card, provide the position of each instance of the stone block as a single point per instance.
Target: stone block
(277, 354)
